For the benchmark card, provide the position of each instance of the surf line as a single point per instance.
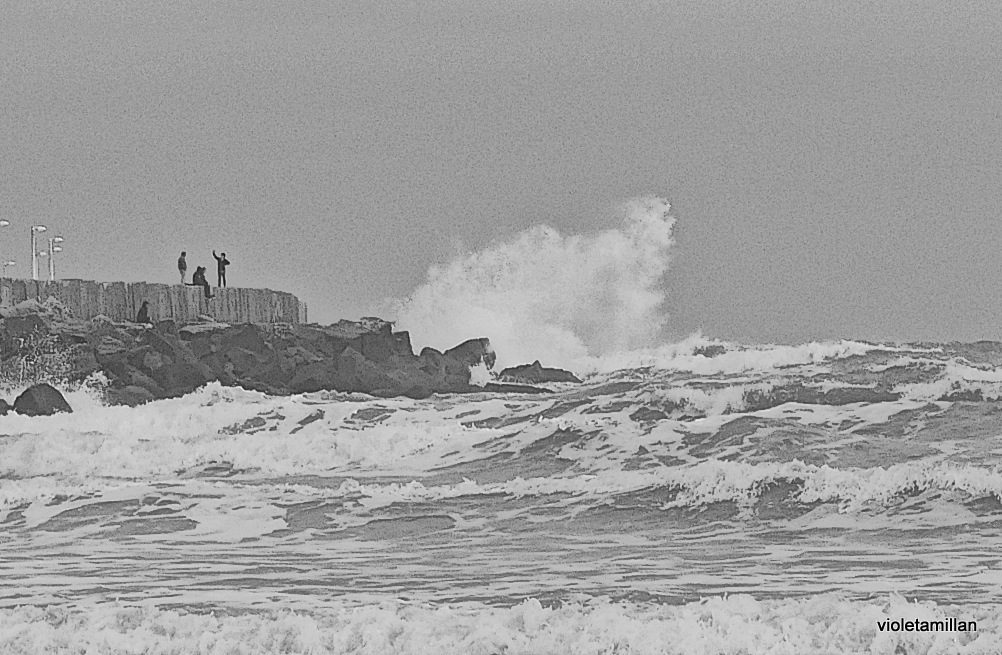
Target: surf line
(946, 625)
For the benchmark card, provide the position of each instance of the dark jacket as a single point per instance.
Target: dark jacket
(221, 262)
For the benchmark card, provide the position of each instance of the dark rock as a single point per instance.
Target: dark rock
(535, 373)
(713, 350)
(417, 392)
(472, 352)
(130, 395)
(41, 400)
(437, 365)
(181, 371)
(314, 377)
(243, 361)
(136, 378)
(22, 326)
(375, 347)
(82, 364)
(353, 372)
(351, 356)
(247, 337)
(5, 407)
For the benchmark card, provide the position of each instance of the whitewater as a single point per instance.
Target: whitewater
(694, 497)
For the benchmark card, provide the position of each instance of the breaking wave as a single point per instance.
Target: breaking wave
(734, 624)
(543, 295)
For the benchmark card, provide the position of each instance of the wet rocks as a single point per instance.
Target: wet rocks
(473, 352)
(41, 400)
(144, 363)
(536, 373)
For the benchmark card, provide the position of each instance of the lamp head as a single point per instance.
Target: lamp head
(4, 223)
(57, 239)
(56, 249)
(38, 228)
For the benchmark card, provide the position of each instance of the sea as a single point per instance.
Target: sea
(689, 496)
(740, 500)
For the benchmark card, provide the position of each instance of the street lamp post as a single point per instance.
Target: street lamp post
(35, 230)
(53, 249)
(4, 223)
(40, 253)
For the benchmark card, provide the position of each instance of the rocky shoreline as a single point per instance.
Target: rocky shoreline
(144, 362)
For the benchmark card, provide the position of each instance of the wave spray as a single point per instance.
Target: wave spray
(559, 299)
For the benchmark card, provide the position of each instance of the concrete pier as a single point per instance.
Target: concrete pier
(120, 301)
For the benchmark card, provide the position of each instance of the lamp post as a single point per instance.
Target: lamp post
(35, 230)
(53, 249)
(4, 223)
(9, 262)
(40, 253)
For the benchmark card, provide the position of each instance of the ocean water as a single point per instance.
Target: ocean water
(677, 506)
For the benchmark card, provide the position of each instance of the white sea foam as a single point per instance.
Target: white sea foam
(556, 298)
(735, 624)
(701, 484)
(686, 355)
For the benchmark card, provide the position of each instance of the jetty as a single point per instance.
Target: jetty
(182, 304)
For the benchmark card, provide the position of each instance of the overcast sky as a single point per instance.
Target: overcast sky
(834, 167)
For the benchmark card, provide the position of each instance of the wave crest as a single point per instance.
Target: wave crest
(556, 298)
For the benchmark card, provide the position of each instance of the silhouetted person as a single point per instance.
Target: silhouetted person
(182, 266)
(221, 263)
(198, 280)
(144, 313)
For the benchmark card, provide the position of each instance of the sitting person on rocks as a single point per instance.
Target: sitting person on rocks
(144, 313)
(198, 280)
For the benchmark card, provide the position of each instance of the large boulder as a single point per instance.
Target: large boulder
(178, 371)
(315, 376)
(41, 400)
(353, 372)
(381, 346)
(447, 373)
(473, 352)
(536, 373)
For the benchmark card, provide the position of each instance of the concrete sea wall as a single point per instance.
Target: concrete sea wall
(120, 301)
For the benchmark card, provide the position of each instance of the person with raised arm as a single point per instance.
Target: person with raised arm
(221, 264)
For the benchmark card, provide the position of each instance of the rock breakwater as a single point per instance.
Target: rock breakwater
(164, 360)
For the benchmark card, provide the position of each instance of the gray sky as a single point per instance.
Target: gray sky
(834, 166)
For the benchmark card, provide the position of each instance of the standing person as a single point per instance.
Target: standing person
(221, 263)
(144, 313)
(182, 266)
